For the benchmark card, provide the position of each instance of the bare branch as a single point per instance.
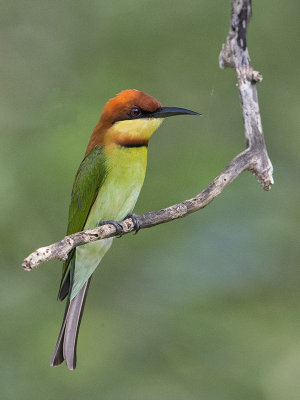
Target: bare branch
(235, 54)
(255, 158)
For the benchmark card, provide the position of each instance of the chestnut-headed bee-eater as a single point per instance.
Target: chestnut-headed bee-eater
(106, 188)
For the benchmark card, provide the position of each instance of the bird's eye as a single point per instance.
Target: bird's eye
(135, 112)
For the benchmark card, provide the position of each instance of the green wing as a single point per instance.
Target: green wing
(89, 178)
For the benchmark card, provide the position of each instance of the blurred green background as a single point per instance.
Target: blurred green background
(207, 307)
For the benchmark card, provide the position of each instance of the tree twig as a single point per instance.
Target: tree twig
(255, 158)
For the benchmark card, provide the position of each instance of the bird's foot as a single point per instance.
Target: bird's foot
(119, 228)
(135, 221)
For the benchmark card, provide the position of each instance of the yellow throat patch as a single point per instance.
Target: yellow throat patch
(133, 131)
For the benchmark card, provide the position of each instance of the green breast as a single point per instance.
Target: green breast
(126, 168)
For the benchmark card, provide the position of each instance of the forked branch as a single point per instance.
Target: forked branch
(255, 158)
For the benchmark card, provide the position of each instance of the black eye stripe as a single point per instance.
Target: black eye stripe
(134, 113)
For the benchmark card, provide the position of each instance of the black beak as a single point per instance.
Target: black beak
(164, 112)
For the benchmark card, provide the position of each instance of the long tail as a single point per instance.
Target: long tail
(65, 348)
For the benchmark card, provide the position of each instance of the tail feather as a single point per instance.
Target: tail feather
(65, 348)
(65, 288)
(72, 326)
(57, 356)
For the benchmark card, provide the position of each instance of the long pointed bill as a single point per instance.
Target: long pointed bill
(164, 112)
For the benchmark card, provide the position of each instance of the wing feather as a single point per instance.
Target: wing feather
(88, 180)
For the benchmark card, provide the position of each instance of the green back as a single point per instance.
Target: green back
(89, 178)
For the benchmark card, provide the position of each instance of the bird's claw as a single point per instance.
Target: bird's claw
(119, 228)
(135, 221)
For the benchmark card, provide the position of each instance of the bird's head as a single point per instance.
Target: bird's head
(130, 118)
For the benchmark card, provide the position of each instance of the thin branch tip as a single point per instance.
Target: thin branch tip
(257, 76)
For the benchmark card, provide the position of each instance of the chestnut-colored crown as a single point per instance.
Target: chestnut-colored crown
(118, 109)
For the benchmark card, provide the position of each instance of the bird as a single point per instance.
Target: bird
(105, 190)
